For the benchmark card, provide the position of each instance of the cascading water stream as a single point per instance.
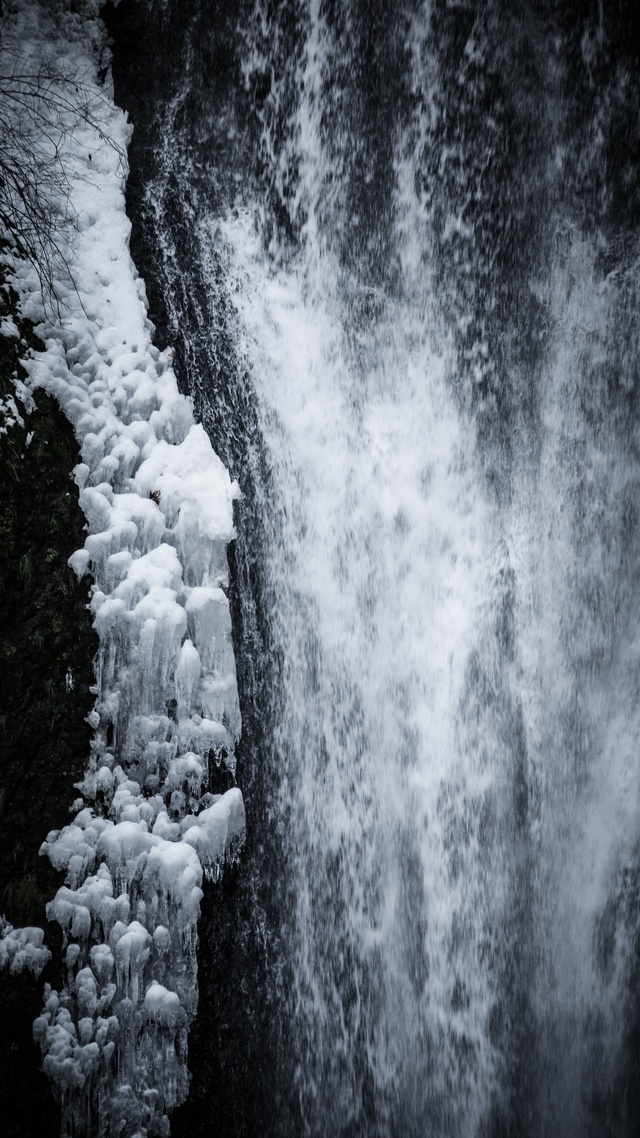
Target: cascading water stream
(418, 320)
(379, 552)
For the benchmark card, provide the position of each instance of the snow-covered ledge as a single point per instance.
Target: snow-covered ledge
(158, 504)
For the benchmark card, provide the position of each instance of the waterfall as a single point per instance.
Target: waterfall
(395, 249)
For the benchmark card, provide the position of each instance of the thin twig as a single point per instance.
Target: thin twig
(39, 111)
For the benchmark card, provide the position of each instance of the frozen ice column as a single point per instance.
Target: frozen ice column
(158, 506)
(115, 1039)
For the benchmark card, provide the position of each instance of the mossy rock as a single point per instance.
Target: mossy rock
(47, 646)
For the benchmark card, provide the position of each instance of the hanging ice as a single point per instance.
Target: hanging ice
(158, 504)
(22, 948)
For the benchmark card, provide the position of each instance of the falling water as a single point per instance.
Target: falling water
(395, 247)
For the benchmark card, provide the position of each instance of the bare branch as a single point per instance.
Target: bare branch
(39, 110)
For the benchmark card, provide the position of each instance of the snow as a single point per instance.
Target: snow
(161, 1005)
(9, 414)
(158, 506)
(9, 328)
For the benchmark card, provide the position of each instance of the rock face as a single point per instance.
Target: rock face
(47, 646)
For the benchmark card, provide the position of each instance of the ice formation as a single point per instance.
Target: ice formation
(158, 504)
(22, 948)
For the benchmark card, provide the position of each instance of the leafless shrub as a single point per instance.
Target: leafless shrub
(39, 110)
